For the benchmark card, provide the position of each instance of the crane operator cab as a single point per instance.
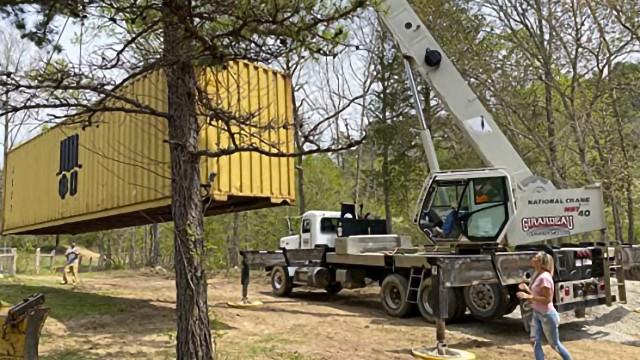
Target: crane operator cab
(466, 206)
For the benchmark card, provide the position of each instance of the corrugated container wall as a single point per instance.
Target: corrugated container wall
(116, 172)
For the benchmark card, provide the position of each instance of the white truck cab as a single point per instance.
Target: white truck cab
(317, 228)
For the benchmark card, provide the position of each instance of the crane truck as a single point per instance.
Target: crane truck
(482, 225)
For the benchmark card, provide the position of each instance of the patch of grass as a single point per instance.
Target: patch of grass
(67, 303)
(271, 352)
(266, 347)
(68, 355)
(260, 349)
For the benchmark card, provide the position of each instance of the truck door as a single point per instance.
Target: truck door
(305, 233)
(437, 217)
(488, 210)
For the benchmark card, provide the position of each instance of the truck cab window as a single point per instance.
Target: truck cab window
(439, 211)
(306, 226)
(329, 225)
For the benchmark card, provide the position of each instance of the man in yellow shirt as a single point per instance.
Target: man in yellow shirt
(73, 260)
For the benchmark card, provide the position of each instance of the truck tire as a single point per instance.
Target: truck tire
(455, 307)
(393, 293)
(461, 305)
(486, 301)
(281, 284)
(513, 302)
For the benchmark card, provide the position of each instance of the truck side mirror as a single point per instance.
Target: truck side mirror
(289, 229)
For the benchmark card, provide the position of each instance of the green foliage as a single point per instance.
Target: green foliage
(325, 185)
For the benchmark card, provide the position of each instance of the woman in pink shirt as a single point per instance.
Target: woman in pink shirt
(545, 317)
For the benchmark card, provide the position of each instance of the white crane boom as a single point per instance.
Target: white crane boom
(418, 45)
(542, 211)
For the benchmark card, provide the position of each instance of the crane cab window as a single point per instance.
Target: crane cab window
(488, 191)
(489, 212)
(440, 210)
(475, 208)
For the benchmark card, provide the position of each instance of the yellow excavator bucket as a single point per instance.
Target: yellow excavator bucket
(20, 327)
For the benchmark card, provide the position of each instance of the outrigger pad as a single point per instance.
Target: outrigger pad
(432, 354)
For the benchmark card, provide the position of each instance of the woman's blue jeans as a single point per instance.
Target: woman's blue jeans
(547, 324)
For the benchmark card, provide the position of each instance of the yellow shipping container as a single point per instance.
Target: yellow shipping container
(117, 173)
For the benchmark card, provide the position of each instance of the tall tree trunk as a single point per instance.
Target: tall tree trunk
(145, 248)
(101, 249)
(194, 338)
(299, 159)
(547, 77)
(5, 150)
(628, 164)
(617, 219)
(339, 157)
(300, 185)
(119, 241)
(386, 186)
(132, 248)
(234, 242)
(154, 235)
(356, 187)
(631, 234)
(109, 248)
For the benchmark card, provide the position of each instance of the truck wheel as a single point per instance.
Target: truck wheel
(280, 281)
(455, 306)
(394, 295)
(333, 288)
(461, 305)
(486, 301)
(513, 303)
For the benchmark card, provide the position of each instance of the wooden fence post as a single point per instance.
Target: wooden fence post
(53, 255)
(37, 261)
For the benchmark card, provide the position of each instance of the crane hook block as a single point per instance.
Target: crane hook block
(432, 57)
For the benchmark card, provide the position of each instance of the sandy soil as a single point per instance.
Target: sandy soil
(313, 325)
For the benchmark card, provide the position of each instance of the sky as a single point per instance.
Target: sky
(318, 91)
(70, 51)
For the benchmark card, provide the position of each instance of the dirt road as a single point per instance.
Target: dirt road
(310, 325)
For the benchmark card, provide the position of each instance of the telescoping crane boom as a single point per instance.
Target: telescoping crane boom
(503, 204)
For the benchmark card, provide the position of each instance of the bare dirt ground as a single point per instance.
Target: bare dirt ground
(310, 325)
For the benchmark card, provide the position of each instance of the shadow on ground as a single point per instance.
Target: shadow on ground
(506, 331)
(82, 311)
(69, 305)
